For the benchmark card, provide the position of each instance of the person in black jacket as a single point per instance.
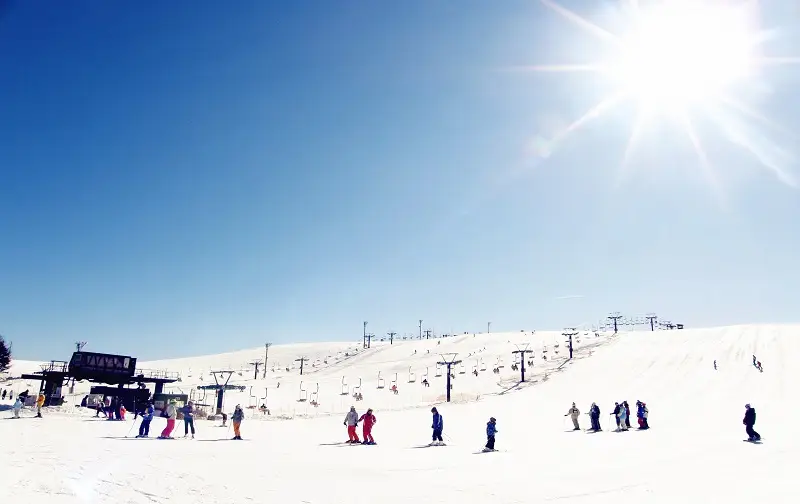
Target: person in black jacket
(616, 413)
(749, 421)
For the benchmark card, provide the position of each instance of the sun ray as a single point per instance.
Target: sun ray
(777, 60)
(636, 132)
(747, 140)
(705, 164)
(593, 113)
(589, 67)
(753, 114)
(582, 22)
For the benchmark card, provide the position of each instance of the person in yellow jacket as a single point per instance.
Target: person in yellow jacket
(39, 404)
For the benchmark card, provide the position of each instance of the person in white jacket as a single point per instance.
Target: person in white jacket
(574, 413)
(351, 420)
(172, 416)
(623, 416)
(17, 407)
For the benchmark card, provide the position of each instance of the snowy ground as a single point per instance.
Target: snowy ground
(693, 453)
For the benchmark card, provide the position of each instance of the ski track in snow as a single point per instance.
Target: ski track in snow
(692, 453)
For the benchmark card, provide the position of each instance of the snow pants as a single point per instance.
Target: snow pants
(188, 423)
(144, 427)
(169, 428)
(16, 413)
(575, 423)
(595, 423)
(236, 432)
(368, 434)
(490, 442)
(437, 435)
(641, 422)
(352, 434)
(752, 434)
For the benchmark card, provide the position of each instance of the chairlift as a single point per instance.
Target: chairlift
(357, 388)
(412, 377)
(345, 388)
(315, 397)
(253, 400)
(438, 370)
(462, 369)
(483, 365)
(394, 380)
(381, 382)
(303, 394)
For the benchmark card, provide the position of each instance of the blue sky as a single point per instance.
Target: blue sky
(180, 178)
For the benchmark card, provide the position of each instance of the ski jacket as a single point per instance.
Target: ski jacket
(40, 400)
(750, 417)
(616, 409)
(188, 412)
(17, 404)
(148, 413)
(438, 422)
(595, 412)
(640, 411)
(574, 412)
(623, 413)
(172, 413)
(238, 415)
(368, 419)
(352, 418)
(491, 429)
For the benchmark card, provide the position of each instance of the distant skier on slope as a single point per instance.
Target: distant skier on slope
(491, 431)
(641, 415)
(438, 427)
(369, 420)
(594, 416)
(617, 407)
(237, 417)
(188, 419)
(573, 413)
(749, 421)
(627, 414)
(17, 407)
(147, 417)
(351, 420)
(622, 416)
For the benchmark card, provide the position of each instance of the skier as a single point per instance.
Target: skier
(188, 419)
(617, 407)
(622, 418)
(573, 412)
(147, 417)
(627, 415)
(491, 430)
(438, 427)
(594, 415)
(369, 420)
(351, 420)
(715, 364)
(237, 417)
(17, 407)
(172, 415)
(749, 421)
(641, 415)
(39, 404)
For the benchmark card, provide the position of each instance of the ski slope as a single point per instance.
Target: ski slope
(693, 452)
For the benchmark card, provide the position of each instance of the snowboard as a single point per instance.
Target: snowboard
(753, 442)
(485, 451)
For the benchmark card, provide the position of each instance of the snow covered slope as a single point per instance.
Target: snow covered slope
(693, 453)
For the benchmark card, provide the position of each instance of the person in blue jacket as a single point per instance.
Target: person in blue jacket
(147, 417)
(188, 419)
(438, 426)
(491, 430)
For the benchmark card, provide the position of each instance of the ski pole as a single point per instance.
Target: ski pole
(131, 428)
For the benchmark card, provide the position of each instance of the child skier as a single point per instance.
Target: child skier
(594, 415)
(39, 405)
(491, 430)
(573, 412)
(641, 415)
(237, 417)
(147, 417)
(351, 420)
(622, 417)
(17, 407)
(438, 427)
(369, 420)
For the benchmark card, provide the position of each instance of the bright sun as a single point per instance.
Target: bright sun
(678, 59)
(678, 53)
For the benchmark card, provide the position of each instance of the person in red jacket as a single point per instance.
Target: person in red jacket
(369, 420)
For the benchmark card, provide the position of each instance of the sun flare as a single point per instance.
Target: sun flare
(678, 53)
(679, 59)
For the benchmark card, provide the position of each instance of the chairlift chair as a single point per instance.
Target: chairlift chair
(412, 377)
(345, 388)
(303, 394)
(381, 382)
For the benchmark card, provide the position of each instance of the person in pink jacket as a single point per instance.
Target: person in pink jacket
(369, 420)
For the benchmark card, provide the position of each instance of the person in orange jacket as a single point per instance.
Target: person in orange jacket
(39, 404)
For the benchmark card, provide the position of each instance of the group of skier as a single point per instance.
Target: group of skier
(622, 415)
